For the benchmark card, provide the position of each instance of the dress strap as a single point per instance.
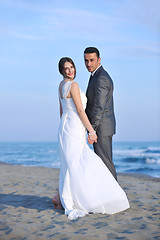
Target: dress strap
(66, 88)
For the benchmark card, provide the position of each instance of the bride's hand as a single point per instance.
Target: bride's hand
(90, 141)
(92, 138)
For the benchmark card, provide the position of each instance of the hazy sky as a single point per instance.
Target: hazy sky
(35, 34)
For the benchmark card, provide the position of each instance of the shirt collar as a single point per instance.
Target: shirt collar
(96, 70)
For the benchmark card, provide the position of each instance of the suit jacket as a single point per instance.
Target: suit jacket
(100, 106)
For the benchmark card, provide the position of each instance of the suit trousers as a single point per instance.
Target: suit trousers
(103, 148)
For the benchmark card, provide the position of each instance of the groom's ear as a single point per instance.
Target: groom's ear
(99, 60)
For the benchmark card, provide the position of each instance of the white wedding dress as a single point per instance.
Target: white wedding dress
(85, 183)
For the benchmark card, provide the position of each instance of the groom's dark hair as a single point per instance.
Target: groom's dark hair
(92, 50)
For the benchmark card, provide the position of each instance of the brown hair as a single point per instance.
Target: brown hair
(62, 62)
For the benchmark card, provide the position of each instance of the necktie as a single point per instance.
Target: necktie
(90, 79)
(89, 83)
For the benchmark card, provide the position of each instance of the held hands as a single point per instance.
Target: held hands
(92, 138)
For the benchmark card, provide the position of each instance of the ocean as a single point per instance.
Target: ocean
(128, 157)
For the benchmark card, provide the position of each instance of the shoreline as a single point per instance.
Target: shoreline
(135, 175)
(26, 210)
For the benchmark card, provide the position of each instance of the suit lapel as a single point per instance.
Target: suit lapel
(98, 71)
(93, 77)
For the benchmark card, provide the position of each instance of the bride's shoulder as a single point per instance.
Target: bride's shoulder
(75, 84)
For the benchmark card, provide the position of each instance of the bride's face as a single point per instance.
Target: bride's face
(69, 70)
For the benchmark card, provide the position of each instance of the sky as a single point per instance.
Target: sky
(35, 34)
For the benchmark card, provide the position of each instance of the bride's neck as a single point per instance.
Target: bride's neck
(68, 79)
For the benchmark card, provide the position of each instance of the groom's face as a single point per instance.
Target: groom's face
(92, 62)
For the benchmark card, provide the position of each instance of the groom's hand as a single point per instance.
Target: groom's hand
(92, 138)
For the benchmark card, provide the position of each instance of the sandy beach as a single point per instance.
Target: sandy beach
(26, 210)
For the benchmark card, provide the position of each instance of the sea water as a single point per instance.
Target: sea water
(128, 157)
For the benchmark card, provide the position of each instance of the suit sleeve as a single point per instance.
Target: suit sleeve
(102, 90)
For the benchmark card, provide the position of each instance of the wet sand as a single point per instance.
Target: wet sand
(26, 210)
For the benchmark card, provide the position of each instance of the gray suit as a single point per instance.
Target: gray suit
(100, 111)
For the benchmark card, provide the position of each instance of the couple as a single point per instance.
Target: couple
(87, 181)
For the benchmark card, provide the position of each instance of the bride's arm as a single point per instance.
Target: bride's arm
(75, 94)
(60, 106)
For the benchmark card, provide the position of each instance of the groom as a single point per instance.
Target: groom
(100, 108)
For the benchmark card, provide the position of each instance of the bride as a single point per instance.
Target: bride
(85, 183)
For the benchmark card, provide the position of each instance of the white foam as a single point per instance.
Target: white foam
(136, 153)
(154, 148)
(55, 165)
(52, 151)
(153, 161)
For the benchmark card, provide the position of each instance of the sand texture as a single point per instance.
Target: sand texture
(26, 210)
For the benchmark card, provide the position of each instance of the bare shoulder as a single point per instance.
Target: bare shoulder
(74, 86)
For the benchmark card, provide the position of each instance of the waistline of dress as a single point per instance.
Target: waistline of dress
(68, 110)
